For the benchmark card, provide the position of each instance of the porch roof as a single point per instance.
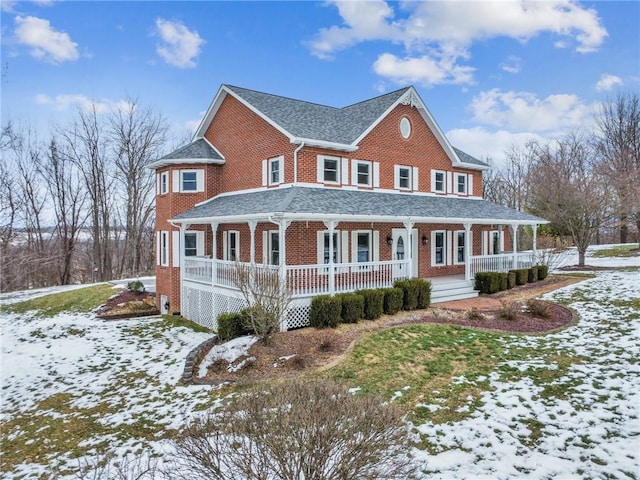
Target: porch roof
(312, 203)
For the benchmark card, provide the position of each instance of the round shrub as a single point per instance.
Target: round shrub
(393, 300)
(325, 311)
(352, 307)
(424, 292)
(231, 325)
(373, 303)
(410, 296)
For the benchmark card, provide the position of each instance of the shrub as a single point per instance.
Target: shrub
(511, 279)
(373, 303)
(136, 286)
(393, 298)
(474, 314)
(521, 276)
(232, 325)
(410, 293)
(490, 282)
(325, 311)
(543, 271)
(327, 342)
(532, 274)
(508, 310)
(424, 292)
(538, 308)
(352, 307)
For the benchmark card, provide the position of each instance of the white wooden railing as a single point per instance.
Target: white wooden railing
(197, 269)
(502, 262)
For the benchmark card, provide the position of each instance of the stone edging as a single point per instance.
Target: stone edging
(188, 375)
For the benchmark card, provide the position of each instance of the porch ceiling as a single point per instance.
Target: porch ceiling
(310, 203)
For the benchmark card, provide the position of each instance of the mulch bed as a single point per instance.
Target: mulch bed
(128, 304)
(311, 349)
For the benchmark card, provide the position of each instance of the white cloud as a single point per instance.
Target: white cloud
(65, 101)
(7, 5)
(525, 111)
(433, 32)
(46, 43)
(607, 82)
(513, 64)
(43, 3)
(180, 46)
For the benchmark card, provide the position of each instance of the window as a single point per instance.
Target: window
(364, 173)
(461, 183)
(438, 181)
(164, 249)
(190, 244)
(275, 171)
(405, 127)
(404, 178)
(460, 247)
(274, 248)
(164, 183)
(438, 248)
(331, 173)
(189, 181)
(495, 243)
(364, 247)
(336, 248)
(231, 245)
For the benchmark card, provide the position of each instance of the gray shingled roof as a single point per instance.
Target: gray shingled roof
(199, 149)
(466, 158)
(341, 202)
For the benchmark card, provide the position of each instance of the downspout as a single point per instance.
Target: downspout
(295, 163)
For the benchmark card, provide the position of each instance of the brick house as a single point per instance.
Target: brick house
(334, 199)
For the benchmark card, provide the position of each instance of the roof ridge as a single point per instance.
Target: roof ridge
(375, 98)
(283, 97)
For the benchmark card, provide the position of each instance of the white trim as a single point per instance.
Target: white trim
(433, 248)
(164, 248)
(267, 237)
(324, 144)
(344, 171)
(376, 174)
(354, 173)
(456, 247)
(397, 177)
(470, 184)
(321, 169)
(165, 176)
(434, 181)
(280, 161)
(175, 181)
(265, 172)
(175, 248)
(158, 248)
(226, 240)
(456, 179)
(181, 161)
(414, 179)
(449, 182)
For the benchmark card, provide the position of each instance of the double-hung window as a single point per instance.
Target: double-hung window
(460, 247)
(439, 248)
(231, 245)
(362, 174)
(438, 181)
(190, 244)
(189, 181)
(331, 170)
(404, 178)
(461, 183)
(336, 248)
(363, 247)
(276, 171)
(164, 249)
(164, 183)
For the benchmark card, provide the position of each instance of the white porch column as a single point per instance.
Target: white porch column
(331, 226)
(252, 229)
(408, 225)
(467, 251)
(514, 229)
(535, 242)
(282, 228)
(214, 253)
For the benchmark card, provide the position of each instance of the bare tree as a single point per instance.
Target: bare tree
(137, 137)
(618, 143)
(298, 430)
(85, 144)
(266, 297)
(568, 190)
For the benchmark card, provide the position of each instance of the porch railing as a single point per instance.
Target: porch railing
(502, 262)
(197, 269)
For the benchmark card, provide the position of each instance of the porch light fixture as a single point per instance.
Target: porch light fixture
(425, 240)
(389, 240)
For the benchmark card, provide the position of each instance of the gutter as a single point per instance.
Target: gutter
(295, 162)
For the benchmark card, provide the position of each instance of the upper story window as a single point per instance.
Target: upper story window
(163, 248)
(273, 171)
(188, 181)
(361, 173)
(405, 177)
(405, 127)
(461, 183)
(331, 170)
(164, 183)
(438, 181)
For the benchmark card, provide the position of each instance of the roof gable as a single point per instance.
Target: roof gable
(198, 151)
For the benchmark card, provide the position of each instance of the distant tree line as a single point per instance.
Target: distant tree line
(582, 182)
(79, 207)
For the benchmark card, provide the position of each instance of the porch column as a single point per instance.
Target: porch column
(535, 241)
(214, 253)
(282, 228)
(467, 251)
(408, 225)
(331, 226)
(252, 229)
(514, 229)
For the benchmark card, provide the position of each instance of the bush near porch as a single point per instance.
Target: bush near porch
(493, 282)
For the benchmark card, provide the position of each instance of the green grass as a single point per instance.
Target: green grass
(176, 321)
(81, 300)
(628, 250)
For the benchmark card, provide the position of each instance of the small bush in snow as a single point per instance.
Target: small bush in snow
(538, 308)
(136, 286)
(508, 310)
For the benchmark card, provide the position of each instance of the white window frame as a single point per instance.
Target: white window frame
(268, 247)
(434, 237)
(183, 174)
(199, 238)
(164, 183)
(322, 170)
(463, 177)
(280, 171)
(355, 173)
(227, 251)
(178, 180)
(434, 181)
(164, 248)
(409, 182)
(457, 247)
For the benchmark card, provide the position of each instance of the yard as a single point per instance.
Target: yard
(485, 405)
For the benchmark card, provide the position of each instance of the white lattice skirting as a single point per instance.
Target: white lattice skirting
(203, 304)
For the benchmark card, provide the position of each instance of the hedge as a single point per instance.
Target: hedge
(522, 276)
(325, 311)
(410, 293)
(373, 303)
(511, 279)
(232, 325)
(490, 282)
(532, 274)
(352, 307)
(543, 271)
(424, 292)
(393, 298)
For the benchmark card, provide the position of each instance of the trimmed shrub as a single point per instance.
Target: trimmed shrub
(490, 282)
(231, 325)
(393, 298)
(532, 274)
(522, 274)
(511, 279)
(352, 307)
(410, 293)
(424, 292)
(325, 311)
(373, 303)
(543, 271)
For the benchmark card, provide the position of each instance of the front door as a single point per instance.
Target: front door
(404, 249)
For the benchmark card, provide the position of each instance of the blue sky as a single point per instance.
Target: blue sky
(492, 73)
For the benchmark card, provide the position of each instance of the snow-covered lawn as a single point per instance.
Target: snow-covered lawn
(570, 410)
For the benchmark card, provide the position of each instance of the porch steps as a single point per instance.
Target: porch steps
(454, 289)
